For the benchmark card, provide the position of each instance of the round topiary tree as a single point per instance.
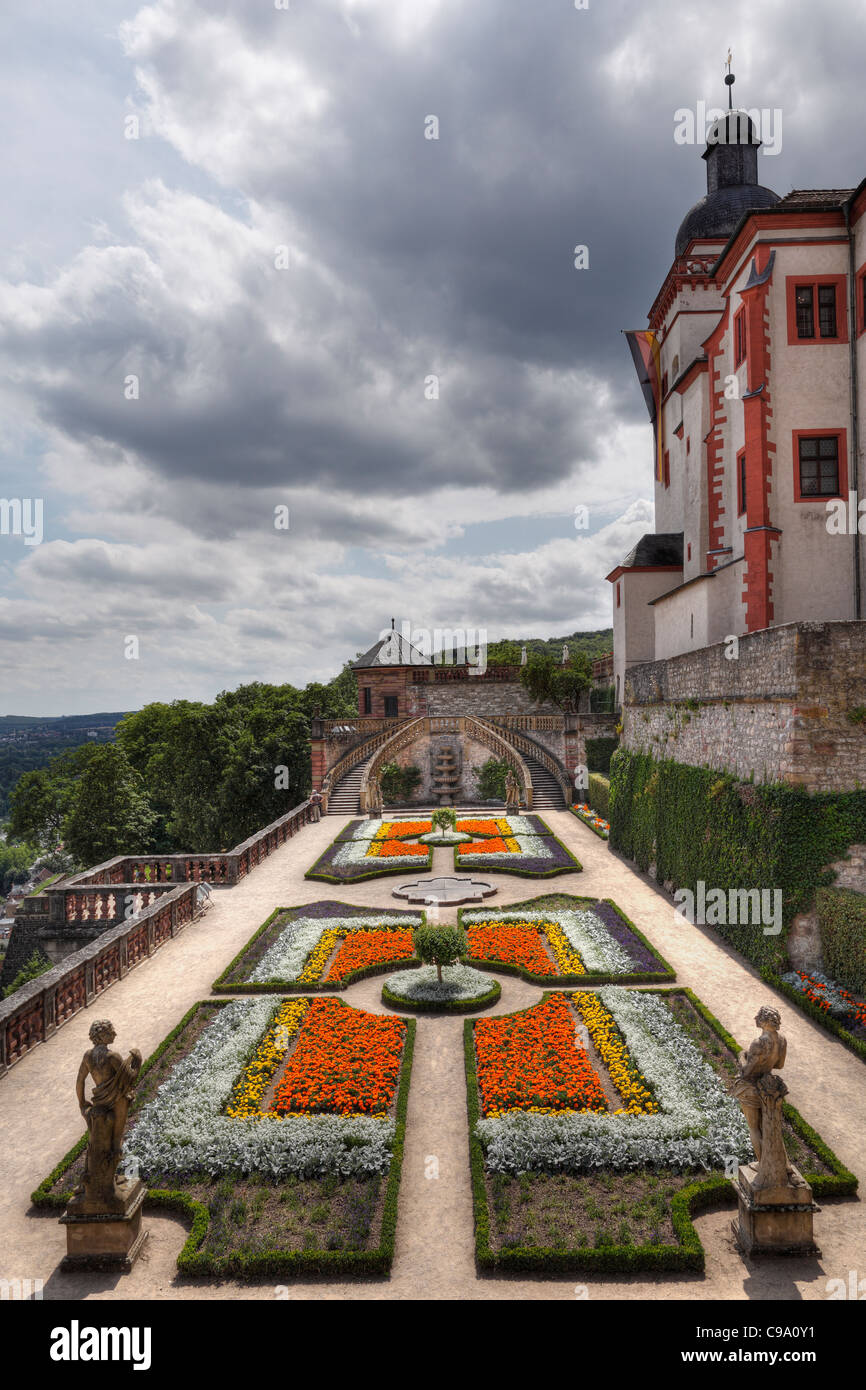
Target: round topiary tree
(444, 819)
(440, 946)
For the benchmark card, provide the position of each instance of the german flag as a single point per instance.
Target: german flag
(646, 355)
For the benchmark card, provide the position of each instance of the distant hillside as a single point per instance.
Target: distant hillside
(31, 741)
(593, 643)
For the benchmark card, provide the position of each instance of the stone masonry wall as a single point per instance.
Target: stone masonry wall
(785, 709)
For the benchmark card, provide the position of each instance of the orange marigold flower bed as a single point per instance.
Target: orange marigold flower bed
(411, 827)
(479, 827)
(533, 1061)
(494, 846)
(512, 945)
(362, 948)
(346, 1062)
(393, 849)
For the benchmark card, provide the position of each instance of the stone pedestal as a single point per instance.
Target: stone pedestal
(105, 1240)
(774, 1220)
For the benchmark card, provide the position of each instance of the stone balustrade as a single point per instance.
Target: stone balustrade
(164, 889)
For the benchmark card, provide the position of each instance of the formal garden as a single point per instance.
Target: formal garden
(600, 1109)
(513, 844)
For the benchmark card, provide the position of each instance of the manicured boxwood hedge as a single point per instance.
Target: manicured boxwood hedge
(599, 795)
(697, 824)
(193, 1261)
(688, 1254)
(535, 909)
(842, 921)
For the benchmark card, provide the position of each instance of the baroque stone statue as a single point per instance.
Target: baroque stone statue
(374, 796)
(774, 1199)
(761, 1094)
(114, 1081)
(512, 791)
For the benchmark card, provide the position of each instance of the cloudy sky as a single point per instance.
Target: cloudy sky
(234, 211)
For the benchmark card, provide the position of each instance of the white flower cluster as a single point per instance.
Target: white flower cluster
(586, 933)
(699, 1125)
(458, 982)
(284, 960)
(183, 1129)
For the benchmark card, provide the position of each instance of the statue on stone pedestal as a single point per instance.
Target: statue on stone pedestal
(774, 1200)
(374, 796)
(761, 1094)
(106, 1113)
(512, 792)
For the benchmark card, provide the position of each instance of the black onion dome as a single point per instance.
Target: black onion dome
(718, 214)
(732, 181)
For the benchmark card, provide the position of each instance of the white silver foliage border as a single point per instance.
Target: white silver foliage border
(182, 1130)
(284, 960)
(699, 1125)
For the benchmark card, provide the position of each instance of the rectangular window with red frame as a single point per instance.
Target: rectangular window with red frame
(741, 482)
(861, 299)
(816, 309)
(818, 464)
(667, 468)
(618, 595)
(740, 336)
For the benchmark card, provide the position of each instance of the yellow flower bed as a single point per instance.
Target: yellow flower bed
(318, 956)
(246, 1098)
(614, 1052)
(568, 962)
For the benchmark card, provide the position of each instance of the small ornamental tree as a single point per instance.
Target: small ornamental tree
(444, 819)
(440, 946)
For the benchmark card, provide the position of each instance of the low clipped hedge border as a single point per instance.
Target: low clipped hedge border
(638, 977)
(594, 828)
(689, 1254)
(223, 985)
(446, 1006)
(193, 1261)
(830, 1024)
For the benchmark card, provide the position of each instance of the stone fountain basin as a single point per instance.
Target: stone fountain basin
(447, 892)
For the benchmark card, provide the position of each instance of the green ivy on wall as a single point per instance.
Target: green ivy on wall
(696, 824)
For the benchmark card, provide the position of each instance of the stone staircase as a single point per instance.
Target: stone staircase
(345, 799)
(546, 791)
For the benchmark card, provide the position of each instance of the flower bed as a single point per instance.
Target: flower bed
(829, 1003)
(671, 1064)
(370, 848)
(597, 824)
(559, 939)
(202, 1122)
(523, 845)
(532, 1062)
(462, 990)
(345, 1062)
(320, 946)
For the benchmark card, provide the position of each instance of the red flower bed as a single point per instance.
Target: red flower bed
(359, 949)
(532, 1061)
(346, 1062)
(512, 945)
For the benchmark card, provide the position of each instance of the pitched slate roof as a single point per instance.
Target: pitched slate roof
(392, 650)
(656, 548)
